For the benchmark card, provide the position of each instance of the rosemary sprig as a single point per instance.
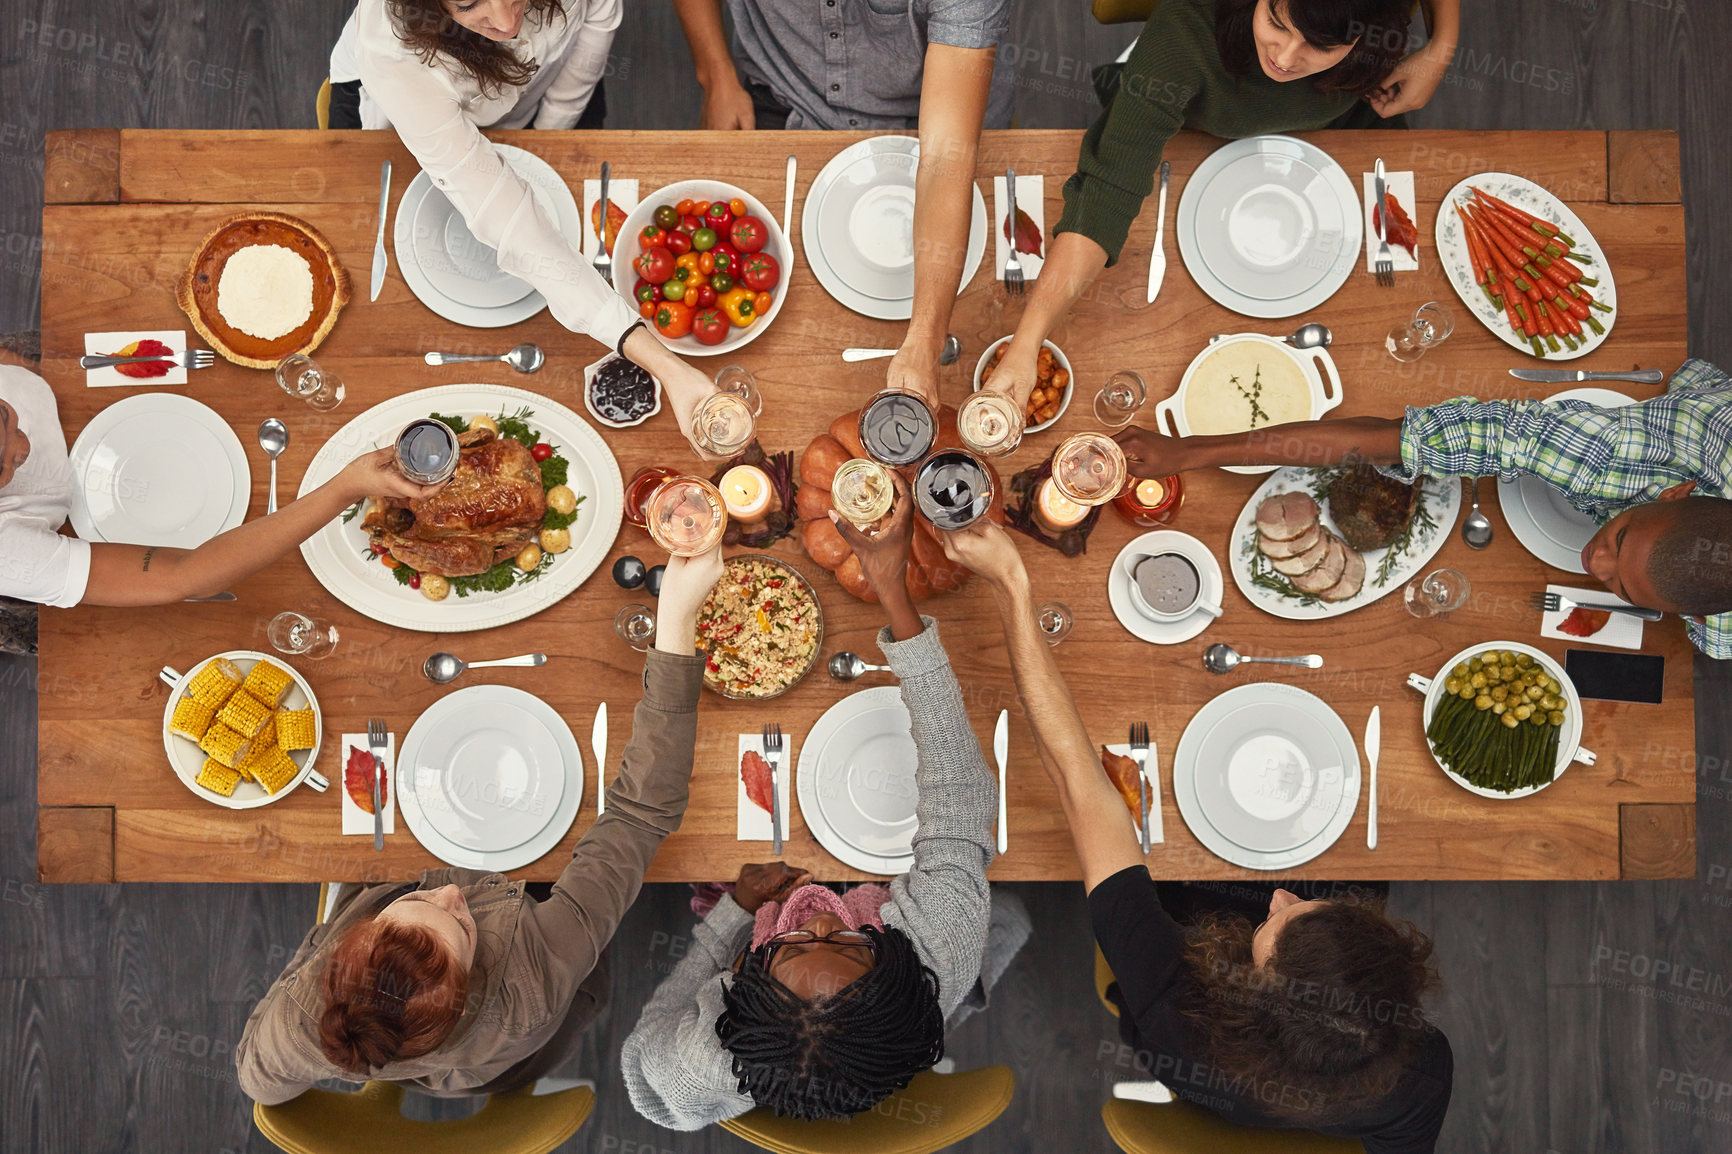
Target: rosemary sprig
(1397, 551)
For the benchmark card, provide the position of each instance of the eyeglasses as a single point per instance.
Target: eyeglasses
(808, 937)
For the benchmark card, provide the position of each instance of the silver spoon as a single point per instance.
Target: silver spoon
(847, 666)
(951, 353)
(1311, 336)
(446, 667)
(273, 439)
(1222, 658)
(1476, 530)
(525, 358)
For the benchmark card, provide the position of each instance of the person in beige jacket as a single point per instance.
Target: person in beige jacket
(461, 984)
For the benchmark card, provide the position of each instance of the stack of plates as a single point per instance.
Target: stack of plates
(1266, 776)
(1269, 226)
(1546, 524)
(857, 227)
(158, 469)
(489, 778)
(855, 781)
(453, 273)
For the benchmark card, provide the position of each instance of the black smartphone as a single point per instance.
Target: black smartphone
(1608, 676)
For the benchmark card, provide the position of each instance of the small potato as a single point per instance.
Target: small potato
(555, 541)
(529, 558)
(561, 499)
(986, 373)
(1061, 379)
(1043, 362)
(491, 426)
(435, 587)
(1046, 414)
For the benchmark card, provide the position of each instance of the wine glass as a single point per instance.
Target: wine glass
(953, 489)
(723, 424)
(991, 423)
(301, 636)
(863, 492)
(1430, 325)
(686, 516)
(1120, 398)
(1089, 468)
(300, 376)
(897, 427)
(636, 626)
(740, 382)
(1055, 620)
(1440, 591)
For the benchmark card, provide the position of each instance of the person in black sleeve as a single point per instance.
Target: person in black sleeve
(1311, 1019)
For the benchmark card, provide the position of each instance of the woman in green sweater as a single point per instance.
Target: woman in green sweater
(1234, 68)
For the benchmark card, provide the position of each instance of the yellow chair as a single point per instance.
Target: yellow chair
(371, 1120)
(935, 1111)
(1103, 979)
(1180, 1128)
(322, 104)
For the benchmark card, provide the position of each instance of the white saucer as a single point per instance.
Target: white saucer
(1546, 524)
(1124, 606)
(855, 781)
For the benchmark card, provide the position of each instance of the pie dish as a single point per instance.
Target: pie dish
(198, 292)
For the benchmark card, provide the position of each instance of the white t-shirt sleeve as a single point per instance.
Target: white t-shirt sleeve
(39, 565)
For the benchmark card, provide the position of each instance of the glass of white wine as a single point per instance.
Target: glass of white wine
(1089, 468)
(863, 492)
(723, 424)
(990, 423)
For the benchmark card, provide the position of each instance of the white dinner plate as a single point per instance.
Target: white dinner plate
(855, 781)
(457, 263)
(457, 771)
(857, 227)
(1125, 606)
(158, 469)
(188, 759)
(1269, 226)
(1532, 198)
(337, 554)
(1266, 776)
(1546, 524)
(1439, 506)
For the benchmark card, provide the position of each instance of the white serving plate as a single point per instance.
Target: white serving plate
(1569, 741)
(158, 469)
(336, 553)
(186, 758)
(627, 249)
(1439, 497)
(1317, 366)
(1529, 197)
(1546, 524)
(856, 781)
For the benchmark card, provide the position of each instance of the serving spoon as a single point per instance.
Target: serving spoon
(1476, 529)
(1311, 335)
(952, 351)
(846, 666)
(1223, 658)
(443, 668)
(273, 439)
(525, 358)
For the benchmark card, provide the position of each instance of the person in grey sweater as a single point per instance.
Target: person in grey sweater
(821, 1005)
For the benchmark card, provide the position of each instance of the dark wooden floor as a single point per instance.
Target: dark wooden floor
(1586, 1019)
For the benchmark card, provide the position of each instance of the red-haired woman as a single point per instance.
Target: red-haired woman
(461, 984)
(439, 71)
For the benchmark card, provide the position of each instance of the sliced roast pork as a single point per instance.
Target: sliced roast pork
(1308, 560)
(1327, 572)
(1281, 550)
(1286, 515)
(1352, 578)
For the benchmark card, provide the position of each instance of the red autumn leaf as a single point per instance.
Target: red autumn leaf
(1027, 235)
(1123, 772)
(1584, 622)
(755, 772)
(1399, 230)
(615, 221)
(358, 779)
(144, 369)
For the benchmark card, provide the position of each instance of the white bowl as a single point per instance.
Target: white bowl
(187, 759)
(1057, 355)
(589, 372)
(626, 249)
(1315, 365)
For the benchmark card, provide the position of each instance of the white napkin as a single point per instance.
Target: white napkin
(754, 823)
(622, 192)
(1152, 774)
(355, 819)
(110, 344)
(1030, 198)
(1401, 184)
(1622, 631)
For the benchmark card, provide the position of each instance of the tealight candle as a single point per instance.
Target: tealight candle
(1151, 501)
(1150, 493)
(1054, 511)
(746, 492)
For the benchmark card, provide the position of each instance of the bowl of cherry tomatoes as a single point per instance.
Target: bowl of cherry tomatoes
(705, 263)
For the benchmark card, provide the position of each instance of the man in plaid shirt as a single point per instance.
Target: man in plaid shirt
(1656, 475)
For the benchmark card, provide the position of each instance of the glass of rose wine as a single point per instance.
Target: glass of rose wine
(686, 516)
(1089, 468)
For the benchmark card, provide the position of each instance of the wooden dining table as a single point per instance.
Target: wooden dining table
(126, 209)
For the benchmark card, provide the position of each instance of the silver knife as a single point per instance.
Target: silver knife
(1158, 258)
(1373, 743)
(1142, 799)
(606, 176)
(378, 749)
(380, 260)
(598, 742)
(775, 806)
(1553, 376)
(1001, 752)
(1382, 197)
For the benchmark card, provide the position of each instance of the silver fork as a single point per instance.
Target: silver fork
(603, 263)
(1012, 264)
(191, 359)
(773, 747)
(1385, 266)
(376, 741)
(1551, 602)
(1140, 751)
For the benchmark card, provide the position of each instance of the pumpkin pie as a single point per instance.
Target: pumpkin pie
(261, 286)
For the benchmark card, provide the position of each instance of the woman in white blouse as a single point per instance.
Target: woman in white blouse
(439, 71)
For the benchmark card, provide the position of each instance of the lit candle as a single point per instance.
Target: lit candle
(746, 493)
(1055, 511)
(1150, 493)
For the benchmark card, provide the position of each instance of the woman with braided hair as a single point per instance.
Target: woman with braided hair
(818, 1004)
